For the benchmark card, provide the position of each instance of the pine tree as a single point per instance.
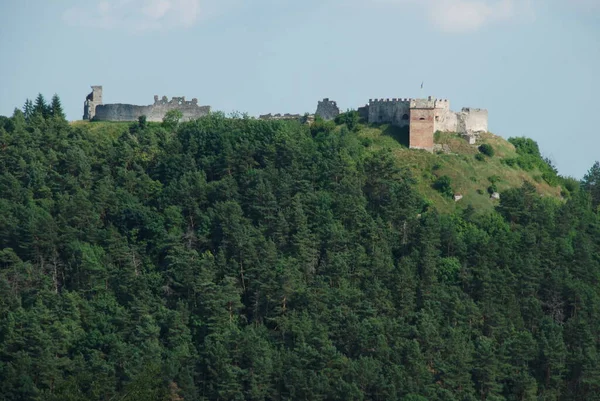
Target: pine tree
(40, 106)
(28, 109)
(591, 183)
(56, 109)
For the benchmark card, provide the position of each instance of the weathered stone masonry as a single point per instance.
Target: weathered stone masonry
(423, 117)
(95, 110)
(327, 109)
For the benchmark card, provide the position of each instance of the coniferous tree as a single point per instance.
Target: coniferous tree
(56, 109)
(28, 109)
(40, 106)
(591, 183)
(230, 258)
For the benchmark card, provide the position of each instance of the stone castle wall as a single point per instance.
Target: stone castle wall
(327, 109)
(303, 118)
(389, 111)
(155, 112)
(472, 121)
(95, 110)
(91, 101)
(423, 116)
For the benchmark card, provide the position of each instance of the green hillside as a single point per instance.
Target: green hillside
(469, 176)
(239, 259)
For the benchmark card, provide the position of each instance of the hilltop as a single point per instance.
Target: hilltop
(458, 160)
(455, 158)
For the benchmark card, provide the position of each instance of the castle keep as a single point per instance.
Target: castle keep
(422, 117)
(94, 109)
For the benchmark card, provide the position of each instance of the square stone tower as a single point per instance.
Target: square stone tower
(91, 101)
(422, 123)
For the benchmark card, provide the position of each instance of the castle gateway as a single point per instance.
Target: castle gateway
(94, 109)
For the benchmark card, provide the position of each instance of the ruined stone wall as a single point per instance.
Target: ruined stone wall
(389, 111)
(91, 101)
(363, 112)
(303, 118)
(445, 119)
(155, 112)
(327, 109)
(472, 120)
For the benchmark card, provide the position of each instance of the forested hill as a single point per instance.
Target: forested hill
(237, 259)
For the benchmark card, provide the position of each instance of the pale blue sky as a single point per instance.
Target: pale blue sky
(533, 64)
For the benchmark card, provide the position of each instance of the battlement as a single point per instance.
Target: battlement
(388, 100)
(327, 101)
(180, 101)
(428, 103)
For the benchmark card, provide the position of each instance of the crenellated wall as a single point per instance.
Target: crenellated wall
(389, 111)
(95, 110)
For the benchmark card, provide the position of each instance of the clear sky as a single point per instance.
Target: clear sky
(533, 64)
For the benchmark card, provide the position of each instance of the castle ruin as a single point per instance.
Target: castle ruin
(422, 117)
(95, 110)
(327, 109)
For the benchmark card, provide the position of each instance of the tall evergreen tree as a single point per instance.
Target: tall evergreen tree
(56, 109)
(28, 109)
(40, 106)
(591, 183)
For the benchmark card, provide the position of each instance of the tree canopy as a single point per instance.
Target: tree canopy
(236, 259)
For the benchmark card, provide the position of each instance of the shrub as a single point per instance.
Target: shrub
(321, 126)
(366, 142)
(350, 118)
(492, 188)
(487, 149)
(494, 179)
(525, 146)
(479, 157)
(571, 184)
(444, 185)
(480, 191)
(529, 158)
(172, 118)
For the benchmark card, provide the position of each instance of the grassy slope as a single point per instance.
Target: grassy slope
(103, 128)
(468, 174)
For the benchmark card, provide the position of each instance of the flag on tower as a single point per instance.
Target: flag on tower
(422, 85)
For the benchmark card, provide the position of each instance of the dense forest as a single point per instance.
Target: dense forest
(230, 258)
